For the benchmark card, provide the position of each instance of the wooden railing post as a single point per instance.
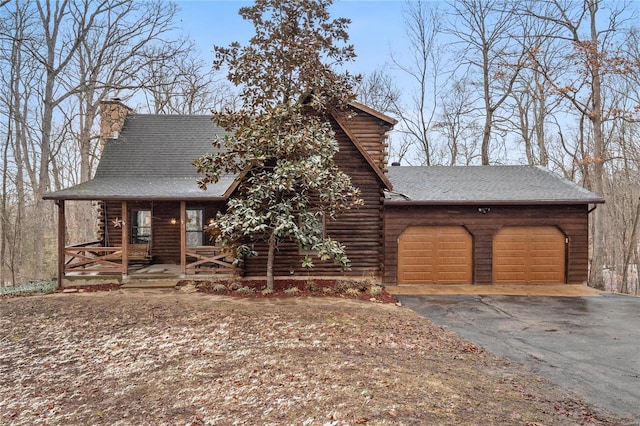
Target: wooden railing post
(62, 223)
(125, 240)
(183, 239)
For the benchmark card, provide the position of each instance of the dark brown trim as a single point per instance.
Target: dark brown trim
(489, 203)
(136, 198)
(373, 112)
(379, 172)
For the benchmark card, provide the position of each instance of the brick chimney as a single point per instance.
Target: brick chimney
(112, 115)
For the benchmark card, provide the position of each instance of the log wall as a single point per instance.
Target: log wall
(371, 133)
(572, 220)
(359, 229)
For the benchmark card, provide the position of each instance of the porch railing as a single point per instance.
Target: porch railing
(209, 259)
(93, 258)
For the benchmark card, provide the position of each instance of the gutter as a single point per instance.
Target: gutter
(491, 202)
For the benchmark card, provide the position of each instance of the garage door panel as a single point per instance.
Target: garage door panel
(529, 254)
(434, 254)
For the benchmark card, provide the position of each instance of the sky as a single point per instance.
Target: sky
(376, 27)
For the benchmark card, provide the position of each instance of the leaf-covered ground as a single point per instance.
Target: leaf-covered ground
(151, 358)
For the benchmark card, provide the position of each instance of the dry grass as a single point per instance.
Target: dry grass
(193, 359)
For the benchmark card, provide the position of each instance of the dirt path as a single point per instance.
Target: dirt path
(120, 358)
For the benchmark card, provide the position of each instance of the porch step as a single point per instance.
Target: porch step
(150, 284)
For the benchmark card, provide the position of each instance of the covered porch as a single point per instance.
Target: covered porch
(143, 240)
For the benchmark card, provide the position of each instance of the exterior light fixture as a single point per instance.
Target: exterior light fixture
(173, 221)
(484, 210)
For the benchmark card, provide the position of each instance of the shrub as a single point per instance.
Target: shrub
(30, 287)
(375, 290)
(354, 292)
(220, 288)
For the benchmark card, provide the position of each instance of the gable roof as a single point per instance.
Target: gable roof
(485, 185)
(151, 159)
(152, 145)
(380, 173)
(389, 120)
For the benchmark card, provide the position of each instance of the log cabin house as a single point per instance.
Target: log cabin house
(418, 225)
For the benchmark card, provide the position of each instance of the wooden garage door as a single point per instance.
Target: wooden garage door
(529, 254)
(435, 255)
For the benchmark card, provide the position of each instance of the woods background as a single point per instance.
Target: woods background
(553, 83)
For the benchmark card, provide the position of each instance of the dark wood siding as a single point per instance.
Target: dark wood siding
(360, 229)
(371, 133)
(572, 220)
(165, 235)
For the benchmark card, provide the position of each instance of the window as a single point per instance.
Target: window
(195, 227)
(140, 226)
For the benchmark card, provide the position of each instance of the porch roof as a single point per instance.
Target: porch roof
(484, 185)
(151, 159)
(144, 188)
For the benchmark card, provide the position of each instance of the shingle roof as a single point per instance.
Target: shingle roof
(158, 145)
(147, 188)
(151, 159)
(484, 184)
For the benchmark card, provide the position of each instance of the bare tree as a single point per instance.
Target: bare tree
(592, 48)
(455, 123)
(184, 84)
(485, 30)
(63, 58)
(422, 26)
(379, 91)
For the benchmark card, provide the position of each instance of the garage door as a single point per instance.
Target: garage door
(435, 255)
(529, 254)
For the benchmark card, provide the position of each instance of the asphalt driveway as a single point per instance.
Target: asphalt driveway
(590, 345)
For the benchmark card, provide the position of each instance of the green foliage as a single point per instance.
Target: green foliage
(290, 57)
(281, 142)
(31, 287)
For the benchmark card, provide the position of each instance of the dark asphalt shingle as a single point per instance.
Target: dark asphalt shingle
(484, 184)
(158, 145)
(152, 159)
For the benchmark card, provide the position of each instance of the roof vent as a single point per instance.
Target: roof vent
(395, 164)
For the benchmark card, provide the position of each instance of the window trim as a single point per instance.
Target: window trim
(136, 237)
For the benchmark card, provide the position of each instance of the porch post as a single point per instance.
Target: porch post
(62, 223)
(125, 241)
(183, 239)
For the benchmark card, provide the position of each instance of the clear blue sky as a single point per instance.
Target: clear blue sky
(376, 27)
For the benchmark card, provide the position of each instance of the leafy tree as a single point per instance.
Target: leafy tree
(281, 139)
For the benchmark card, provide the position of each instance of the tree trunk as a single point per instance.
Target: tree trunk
(270, 260)
(596, 278)
(629, 251)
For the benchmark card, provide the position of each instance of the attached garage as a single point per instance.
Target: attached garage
(529, 255)
(435, 255)
(485, 225)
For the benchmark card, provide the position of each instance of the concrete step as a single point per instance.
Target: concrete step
(150, 284)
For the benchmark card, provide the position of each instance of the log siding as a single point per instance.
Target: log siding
(359, 229)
